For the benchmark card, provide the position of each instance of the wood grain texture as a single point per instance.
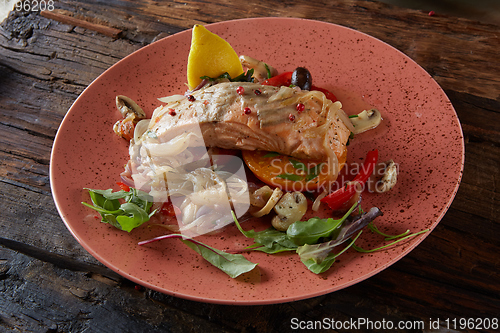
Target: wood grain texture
(50, 284)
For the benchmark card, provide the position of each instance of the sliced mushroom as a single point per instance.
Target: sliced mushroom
(384, 177)
(260, 68)
(127, 106)
(366, 120)
(260, 196)
(291, 208)
(271, 202)
(131, 113)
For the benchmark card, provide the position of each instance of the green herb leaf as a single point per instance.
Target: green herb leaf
(271, 154)
(132, 217)
(359, 249)
(351, 136)
(318, 252)
(232, 264)
(290, 176)
(298, 165)
(353, 116)
(269, 240)
(222, 76)
(311, 177)
(310, 231)
(317, 265)
(313, 172)
(318, 268)
(243, 77)
(374, 229)
(268, 71)
(133, 212)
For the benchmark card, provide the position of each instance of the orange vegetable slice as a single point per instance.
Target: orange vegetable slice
(288, 173)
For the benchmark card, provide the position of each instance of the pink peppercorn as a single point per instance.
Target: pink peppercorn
(432, 13)
(240, 90)
(257, 92)
(247, 111)
(191, 98)
(300, 107)
(291, 117)
(171, 112)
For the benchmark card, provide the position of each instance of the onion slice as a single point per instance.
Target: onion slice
(317, 202)
(171, 99)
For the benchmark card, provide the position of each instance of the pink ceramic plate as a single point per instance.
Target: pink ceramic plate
(420, 132)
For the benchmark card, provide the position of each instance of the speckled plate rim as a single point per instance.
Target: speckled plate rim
(416, 241)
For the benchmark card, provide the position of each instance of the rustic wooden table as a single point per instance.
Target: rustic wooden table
(49, 283)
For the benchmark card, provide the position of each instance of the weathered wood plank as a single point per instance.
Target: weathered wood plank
(54, 51)
(86, 298)
(459, 259)
(31, 217)
(39, 297)
(480, 117)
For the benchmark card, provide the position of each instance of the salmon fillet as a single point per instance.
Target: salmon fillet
(250, 116)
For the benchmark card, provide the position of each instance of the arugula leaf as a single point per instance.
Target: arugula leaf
(303, 237)
(132, 217)
(310, 231)
(319, 252)
(269, 240)
(232, 264)
(320, 266)
(133, 212)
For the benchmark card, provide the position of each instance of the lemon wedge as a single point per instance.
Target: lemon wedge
(210, 55)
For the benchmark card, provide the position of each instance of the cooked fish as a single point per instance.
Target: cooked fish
(249, 116)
